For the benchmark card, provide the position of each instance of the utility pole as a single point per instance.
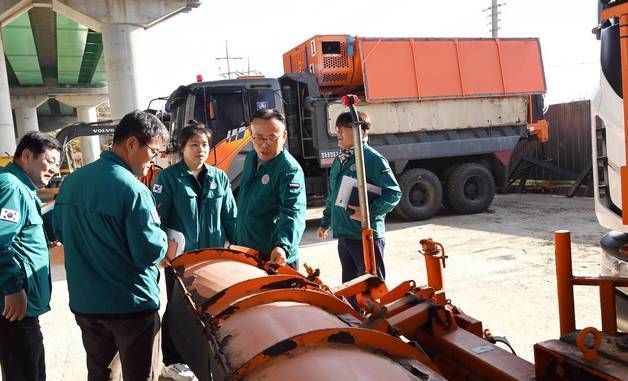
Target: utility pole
(494, 19)
(494, 9)
(228, 59)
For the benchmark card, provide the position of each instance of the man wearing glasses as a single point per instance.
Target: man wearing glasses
(24, 263)
(271, 200)
(109, 226)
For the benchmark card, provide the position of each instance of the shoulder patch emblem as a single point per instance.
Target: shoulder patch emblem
(155, 216)
(265, 179)
(9, 215)
(353, 167)
(157, 188)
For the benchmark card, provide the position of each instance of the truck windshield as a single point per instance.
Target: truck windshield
(220, 112)
(227, 108)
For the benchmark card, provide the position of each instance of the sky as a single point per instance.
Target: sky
(188, 44)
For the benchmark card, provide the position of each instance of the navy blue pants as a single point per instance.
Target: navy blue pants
(352, 258)
(22, 350)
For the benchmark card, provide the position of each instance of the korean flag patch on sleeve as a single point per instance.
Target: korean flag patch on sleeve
(157, 188)
(9, 215)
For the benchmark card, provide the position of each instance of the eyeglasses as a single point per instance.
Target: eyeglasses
(51, 162)
(153, 151)
(261, 139)
(343, 128)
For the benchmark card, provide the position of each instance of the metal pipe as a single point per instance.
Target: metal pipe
(368, 244)
(359, 168)
(564, 281)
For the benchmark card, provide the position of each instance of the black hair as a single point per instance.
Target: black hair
(37, 142)
(344, 119)
(268, 114)
(191, 129)
(142, 125)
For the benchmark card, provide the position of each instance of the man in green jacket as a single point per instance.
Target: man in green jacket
(24, 263)
(271, 200)
(109, 226)
(345, 222)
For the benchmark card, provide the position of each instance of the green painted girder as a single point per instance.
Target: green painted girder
(20, 51)
(100, 75)
(71, 39)
(44, 109)
(10, 73)
(91, 57)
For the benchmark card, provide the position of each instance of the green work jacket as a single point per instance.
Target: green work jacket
(378, 173)
(205, 213)
(271, 205)
(24, 259)
(109, 226)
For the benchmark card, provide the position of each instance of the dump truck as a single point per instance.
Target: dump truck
(446, 113)
(609, 123)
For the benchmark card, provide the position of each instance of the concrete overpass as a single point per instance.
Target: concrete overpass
(67, 55)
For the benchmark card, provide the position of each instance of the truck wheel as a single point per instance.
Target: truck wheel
(421, 194)
(444, 177)
(470, 188)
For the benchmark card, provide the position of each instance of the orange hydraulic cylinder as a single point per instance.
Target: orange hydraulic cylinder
(368, 250)
(564, 282)
(434, 272)
(433, 257)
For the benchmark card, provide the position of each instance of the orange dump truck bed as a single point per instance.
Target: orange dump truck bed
(405, 69)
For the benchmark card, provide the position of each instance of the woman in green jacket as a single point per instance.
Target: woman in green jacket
(345, 222)
(196, 200)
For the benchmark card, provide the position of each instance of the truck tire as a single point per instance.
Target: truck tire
(421, 194)
(444, 178)
(470, 188)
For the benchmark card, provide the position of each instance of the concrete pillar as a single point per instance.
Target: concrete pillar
(122, 50)
(7, 134)
(85, 105)
(90, 145)
(26, 120)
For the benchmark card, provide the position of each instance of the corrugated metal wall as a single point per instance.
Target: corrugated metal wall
(569, 145)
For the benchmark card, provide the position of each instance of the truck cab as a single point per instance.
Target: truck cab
(225, 107)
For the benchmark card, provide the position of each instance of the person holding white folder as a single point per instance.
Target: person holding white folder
(195, 203)
(342, 211)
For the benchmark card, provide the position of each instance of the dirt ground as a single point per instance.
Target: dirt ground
(500, 270)
(501, 266)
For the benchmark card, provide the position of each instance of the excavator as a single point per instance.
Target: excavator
(240, 318)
